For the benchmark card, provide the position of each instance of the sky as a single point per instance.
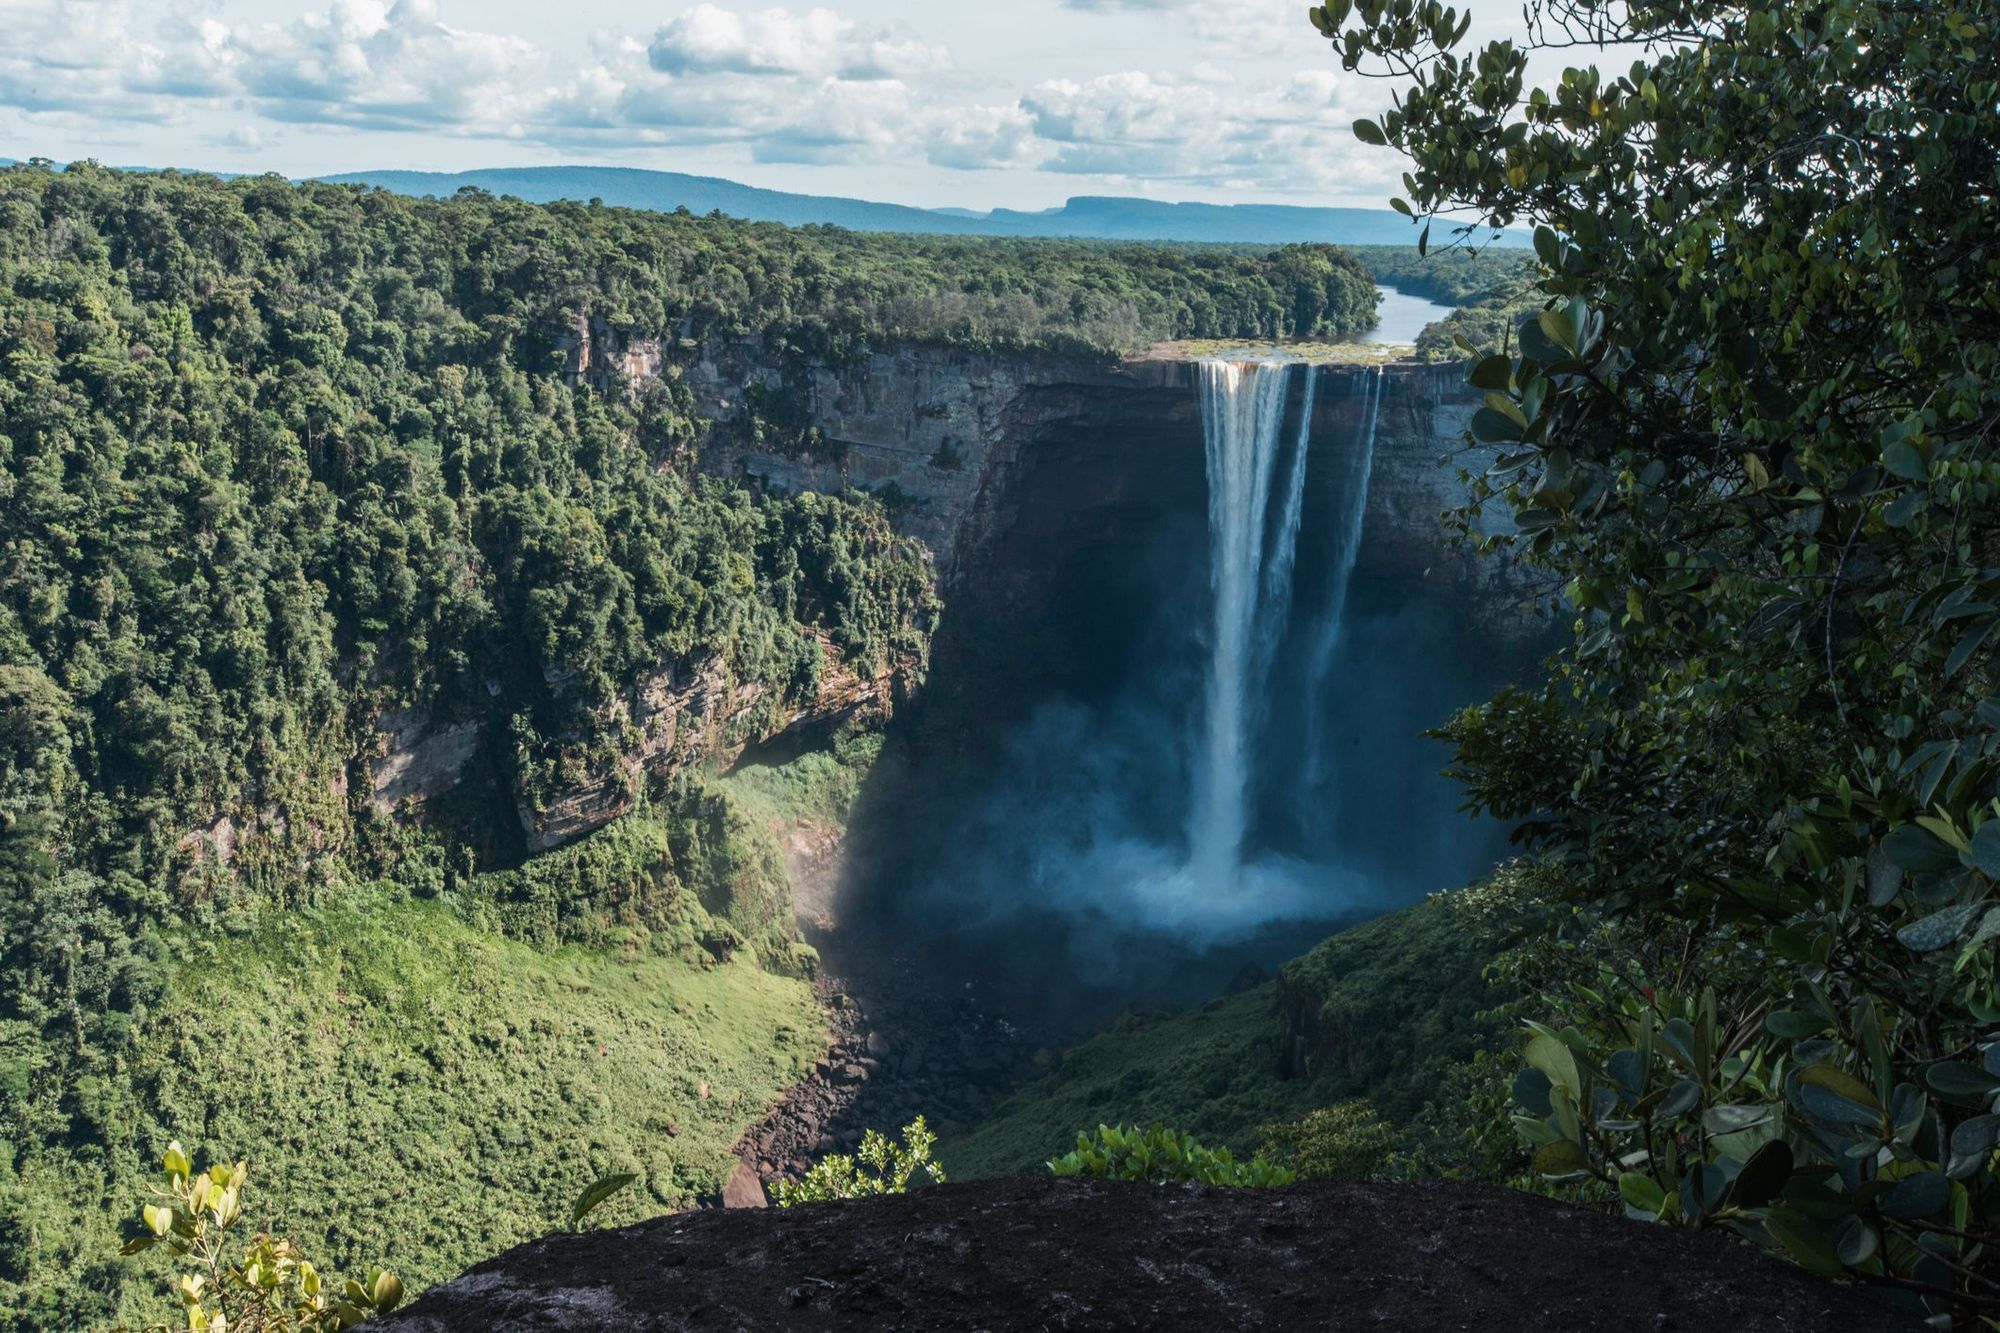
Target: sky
(993, 103)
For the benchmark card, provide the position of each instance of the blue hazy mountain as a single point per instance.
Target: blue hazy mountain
(1090, 216)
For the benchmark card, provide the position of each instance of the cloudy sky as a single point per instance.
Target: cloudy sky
(1019, 103)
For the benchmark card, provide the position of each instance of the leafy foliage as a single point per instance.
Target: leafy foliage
(1751, 437)
(1162, 1156)
(1343, 1142)
(272, 1288)
(881, 1165)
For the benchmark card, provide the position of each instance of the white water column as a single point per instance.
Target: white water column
(1243, 412)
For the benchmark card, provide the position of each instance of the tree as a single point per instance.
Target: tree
(1751, 436)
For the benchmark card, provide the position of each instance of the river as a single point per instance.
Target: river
(1401, 317)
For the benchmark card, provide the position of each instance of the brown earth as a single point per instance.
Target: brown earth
(1034, 1252)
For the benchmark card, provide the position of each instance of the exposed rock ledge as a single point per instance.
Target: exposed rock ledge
(1032, 1252)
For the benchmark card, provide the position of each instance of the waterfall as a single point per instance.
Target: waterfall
(1347, 537)
(1253, 551)
(1346, 549)
(1243, 411)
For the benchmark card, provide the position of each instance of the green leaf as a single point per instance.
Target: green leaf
(1885, 877)
(1902, 459)
(1917, 850)
(597, 1193)
(1794, 1024)
(1735, 1119)
(1490, 427)
(1833, 1097)
(1370, 133)
(1548, 247)
(1955, 1079)
(1564, 1157)
(1763, 1177)
(1971, 1144)
(1531, 1090)
(1555, 324)
(1937, 930)
(1858, 1242)
(1922, 1195)
(1495, 372)
(1642, 1193)
(1803, 1240)
(386, 1292)
(1556, 1060)
(1986, 849)
(1683, 1097)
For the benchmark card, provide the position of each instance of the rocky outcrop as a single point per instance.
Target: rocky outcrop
(685, 713)
(415, 761)
(1034, 1252)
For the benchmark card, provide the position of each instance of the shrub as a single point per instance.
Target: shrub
(1344, 1142)
(1162, 1156)
(881, 1166)
(272, 1288)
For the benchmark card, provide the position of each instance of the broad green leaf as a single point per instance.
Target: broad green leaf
(1563, 1157)
(597, 1193)
(1937, 930)
(1763, 1177)
(1556, 1060)
(1922, 1195)
(1957, 1079)
(1642, 1192)
(1902, 459)
(1917, 850)
(1986, 849)
(1803, 1240)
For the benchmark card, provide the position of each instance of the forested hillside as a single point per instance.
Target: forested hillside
(278, 463)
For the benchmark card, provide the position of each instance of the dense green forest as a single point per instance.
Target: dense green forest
(278, 462)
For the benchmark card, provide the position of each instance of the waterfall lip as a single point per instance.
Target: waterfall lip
(1197, 351)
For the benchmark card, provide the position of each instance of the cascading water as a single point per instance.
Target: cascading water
(1346, 549)
(1243, 409)
(1253, 550)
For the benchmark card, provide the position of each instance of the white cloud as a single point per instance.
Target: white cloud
(772, 86)
(1290, 135)
(818, 44)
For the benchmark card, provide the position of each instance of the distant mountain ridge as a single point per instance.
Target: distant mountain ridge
(1084, 217)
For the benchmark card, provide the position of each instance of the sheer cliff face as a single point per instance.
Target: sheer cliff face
(1008, 467)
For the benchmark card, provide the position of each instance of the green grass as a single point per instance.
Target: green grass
(415, 1091)
(1211, 1071)
(818, 786)
(1404, 990)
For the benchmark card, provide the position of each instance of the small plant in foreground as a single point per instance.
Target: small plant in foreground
(1162, 1156)
(880, 1166)
(271, 1288)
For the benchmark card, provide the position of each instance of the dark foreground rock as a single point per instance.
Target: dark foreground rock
(1032, 1252)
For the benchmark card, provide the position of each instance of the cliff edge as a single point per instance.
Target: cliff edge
(1035, 1252)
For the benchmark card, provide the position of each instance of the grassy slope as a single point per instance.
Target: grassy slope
(412, 1090)
(1407, 985)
